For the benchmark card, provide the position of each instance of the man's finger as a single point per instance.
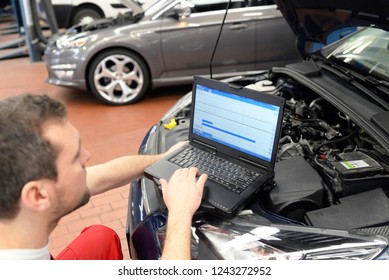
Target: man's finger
(202, 179)
(193, 171)
(163, 184)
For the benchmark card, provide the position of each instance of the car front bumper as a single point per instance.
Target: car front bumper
(64, 67)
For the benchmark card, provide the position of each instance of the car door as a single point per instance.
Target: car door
(189, 30)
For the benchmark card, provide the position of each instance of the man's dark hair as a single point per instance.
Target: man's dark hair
(24, 154)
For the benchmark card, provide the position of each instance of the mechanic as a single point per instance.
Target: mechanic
(43, 177)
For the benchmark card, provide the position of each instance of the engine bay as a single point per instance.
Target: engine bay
(119, 20)
(329, 173)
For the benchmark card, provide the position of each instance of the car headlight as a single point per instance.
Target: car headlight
(242, 238)
(77, 41)
(161, 238)
(66, 44)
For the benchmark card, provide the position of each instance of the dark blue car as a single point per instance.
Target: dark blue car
(329, 197)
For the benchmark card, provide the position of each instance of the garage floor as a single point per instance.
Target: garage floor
(106, 131)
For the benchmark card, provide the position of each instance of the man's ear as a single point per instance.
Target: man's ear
(36, 195)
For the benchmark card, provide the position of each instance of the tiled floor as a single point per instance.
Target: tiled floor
(106, 131)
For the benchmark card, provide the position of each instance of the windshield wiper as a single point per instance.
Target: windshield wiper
(338, 70)
(382, 84)
(354, 79)
(349, 75)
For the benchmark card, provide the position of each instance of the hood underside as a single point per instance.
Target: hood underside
(313, 20)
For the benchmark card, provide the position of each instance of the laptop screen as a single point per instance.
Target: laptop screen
(238, 122)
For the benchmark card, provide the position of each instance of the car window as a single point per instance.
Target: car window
(215, 5)
(252, 3)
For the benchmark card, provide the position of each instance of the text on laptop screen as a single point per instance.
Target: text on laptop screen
(237, 122)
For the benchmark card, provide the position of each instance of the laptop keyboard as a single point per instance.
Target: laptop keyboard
(232, 176)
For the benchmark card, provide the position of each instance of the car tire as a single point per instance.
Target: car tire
(118, 77)
(85, 16)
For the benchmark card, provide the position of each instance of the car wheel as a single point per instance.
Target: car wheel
(118, 77)
(85, 16)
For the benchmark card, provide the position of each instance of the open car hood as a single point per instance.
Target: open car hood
(314, 20)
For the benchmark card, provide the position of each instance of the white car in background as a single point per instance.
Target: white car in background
(72, 12)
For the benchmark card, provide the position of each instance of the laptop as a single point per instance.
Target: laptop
(233, 124)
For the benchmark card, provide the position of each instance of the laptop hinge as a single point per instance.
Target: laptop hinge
(204, 144)
(252, 162)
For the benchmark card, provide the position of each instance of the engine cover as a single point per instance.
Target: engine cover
(298, 189)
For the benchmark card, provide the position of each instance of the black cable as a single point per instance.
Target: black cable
(317, 149)
(218, 37)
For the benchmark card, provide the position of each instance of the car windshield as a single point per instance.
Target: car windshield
(152, 6)
(366, 51)
(149, 3)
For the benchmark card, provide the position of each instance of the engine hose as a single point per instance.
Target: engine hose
(337, 187)
(317, 149)
(329, 194)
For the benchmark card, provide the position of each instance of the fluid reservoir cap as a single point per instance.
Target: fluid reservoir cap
(264, 85)
(172, 124)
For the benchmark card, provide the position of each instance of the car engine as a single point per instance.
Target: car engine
(329, 173)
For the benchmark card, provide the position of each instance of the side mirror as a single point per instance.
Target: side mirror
(182, 11)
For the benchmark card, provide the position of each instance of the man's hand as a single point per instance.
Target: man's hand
(182, 196)
(184, 191)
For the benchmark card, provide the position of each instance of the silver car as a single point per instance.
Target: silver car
(165, 43)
